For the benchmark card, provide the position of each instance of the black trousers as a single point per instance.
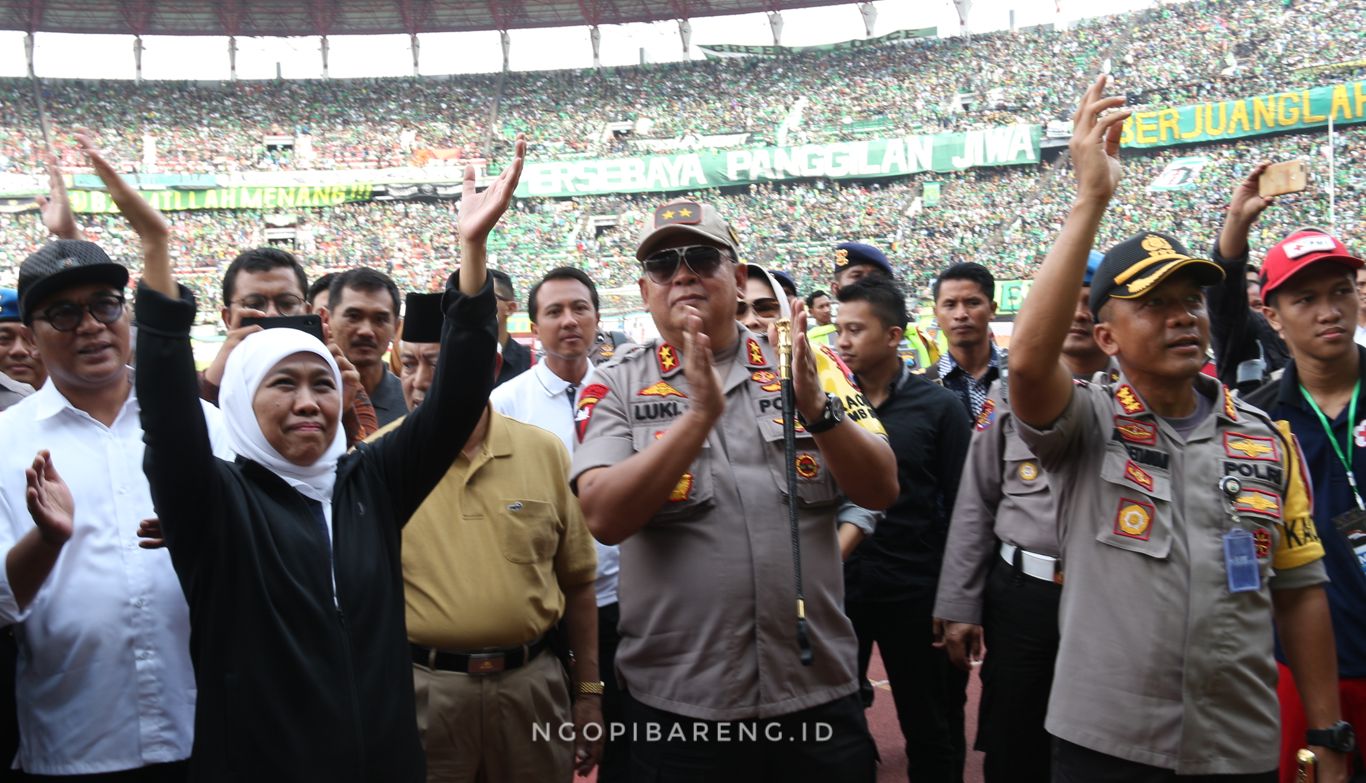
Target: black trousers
(1020, 622)
(616, 753)
(928, 690)
(1074, 764)
(828, 743)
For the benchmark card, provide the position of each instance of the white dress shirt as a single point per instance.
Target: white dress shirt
(104, 680)
(1361, 335)
(542, 398)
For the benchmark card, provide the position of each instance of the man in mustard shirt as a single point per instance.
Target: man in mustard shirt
(492, 560)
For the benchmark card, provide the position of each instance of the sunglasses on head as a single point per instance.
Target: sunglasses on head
(703, 260)
(66, 316)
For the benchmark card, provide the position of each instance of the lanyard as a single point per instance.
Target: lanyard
(1337, 449)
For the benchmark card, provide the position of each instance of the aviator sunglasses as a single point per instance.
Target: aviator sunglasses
(661, 266)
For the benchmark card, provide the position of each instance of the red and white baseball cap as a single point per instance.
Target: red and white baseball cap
(1299, 250)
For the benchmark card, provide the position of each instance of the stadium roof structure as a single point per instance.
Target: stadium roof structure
(356, 17)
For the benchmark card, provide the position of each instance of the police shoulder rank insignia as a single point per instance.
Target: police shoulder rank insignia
(1229, 410)
(755, 353)
(767, 380)
(1128, 399)
(679, 213)
(660, 389)
(807, 466)
(1136, 431)
(588, 399)
(1255, 447)
(667, 357)
(1138, 475)
(1028, 471)
(1134, 519)
(1261, 538)
(1256, 501)
(987, 416)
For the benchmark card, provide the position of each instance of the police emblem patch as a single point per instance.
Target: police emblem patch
(807, 466)
(1136, 431)
(1134, 519)
(767, 380)
(1256, 501)
(1236, 444)
(588, 399)
(660, 389)
(1028, 471)
(1138, 475)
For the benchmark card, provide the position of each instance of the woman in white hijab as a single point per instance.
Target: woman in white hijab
(289, 556)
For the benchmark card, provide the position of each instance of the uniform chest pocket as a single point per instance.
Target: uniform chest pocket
(1021, 472)
(815, 486)
(1135, 502)
(528, 530)
(693, 493)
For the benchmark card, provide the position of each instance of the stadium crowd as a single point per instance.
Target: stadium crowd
(1200, 50)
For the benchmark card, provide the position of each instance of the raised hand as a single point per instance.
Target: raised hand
(55, 207)
(1245, 205)
(150, 225)
(480, 211)
(236, 334)
(351, 384)
(49, 501)
(704, 385)
(806, 381)
(1096, 128)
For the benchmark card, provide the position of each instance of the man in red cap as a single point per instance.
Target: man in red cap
(1309, 287)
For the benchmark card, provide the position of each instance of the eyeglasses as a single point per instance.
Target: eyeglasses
(764, 308)
(285, 304)
(661, 267)
(66, 316)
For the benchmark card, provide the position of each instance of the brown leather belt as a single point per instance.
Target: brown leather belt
(478, 661)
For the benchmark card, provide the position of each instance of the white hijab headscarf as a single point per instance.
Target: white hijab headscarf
(246, 369)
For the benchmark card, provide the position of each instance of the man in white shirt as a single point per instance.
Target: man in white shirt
(104, 677)
(563, 307)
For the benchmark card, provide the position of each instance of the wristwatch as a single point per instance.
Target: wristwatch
(834, 414)
(1339, 737)
(592, 688)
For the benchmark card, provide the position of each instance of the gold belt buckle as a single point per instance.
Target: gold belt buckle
(486, 663)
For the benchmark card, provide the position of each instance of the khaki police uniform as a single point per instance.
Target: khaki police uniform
(708, 627)
(1001, 572)
(1160, 663)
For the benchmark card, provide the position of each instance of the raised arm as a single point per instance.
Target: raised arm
(30, 560)
(1231, 319)
(55, 207)
(418, 453)
(178, 459)
(1040, 385)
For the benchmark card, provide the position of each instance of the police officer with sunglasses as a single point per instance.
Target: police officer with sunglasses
(681, 461)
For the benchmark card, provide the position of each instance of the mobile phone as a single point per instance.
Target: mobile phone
(1291, 176)
(312, 324)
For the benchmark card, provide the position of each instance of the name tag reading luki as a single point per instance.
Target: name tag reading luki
(1240, 562)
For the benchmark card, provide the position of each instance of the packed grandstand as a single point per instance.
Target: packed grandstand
(939, 149)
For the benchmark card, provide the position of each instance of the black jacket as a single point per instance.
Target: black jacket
(929, 432)
(1238, 333)
(291, 686)
(516, 360)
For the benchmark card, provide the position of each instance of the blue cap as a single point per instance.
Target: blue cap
(1092, 264)
(9, 304)
(848, 254)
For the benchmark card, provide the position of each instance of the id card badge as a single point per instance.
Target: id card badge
(1240, 562)
(1352, 526)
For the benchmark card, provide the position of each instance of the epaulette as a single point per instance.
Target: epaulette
(626, 353)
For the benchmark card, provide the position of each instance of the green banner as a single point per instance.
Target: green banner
(1003, 146)
(1283, 111)
(1010, 294)
(281, 197)
(775, 51)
